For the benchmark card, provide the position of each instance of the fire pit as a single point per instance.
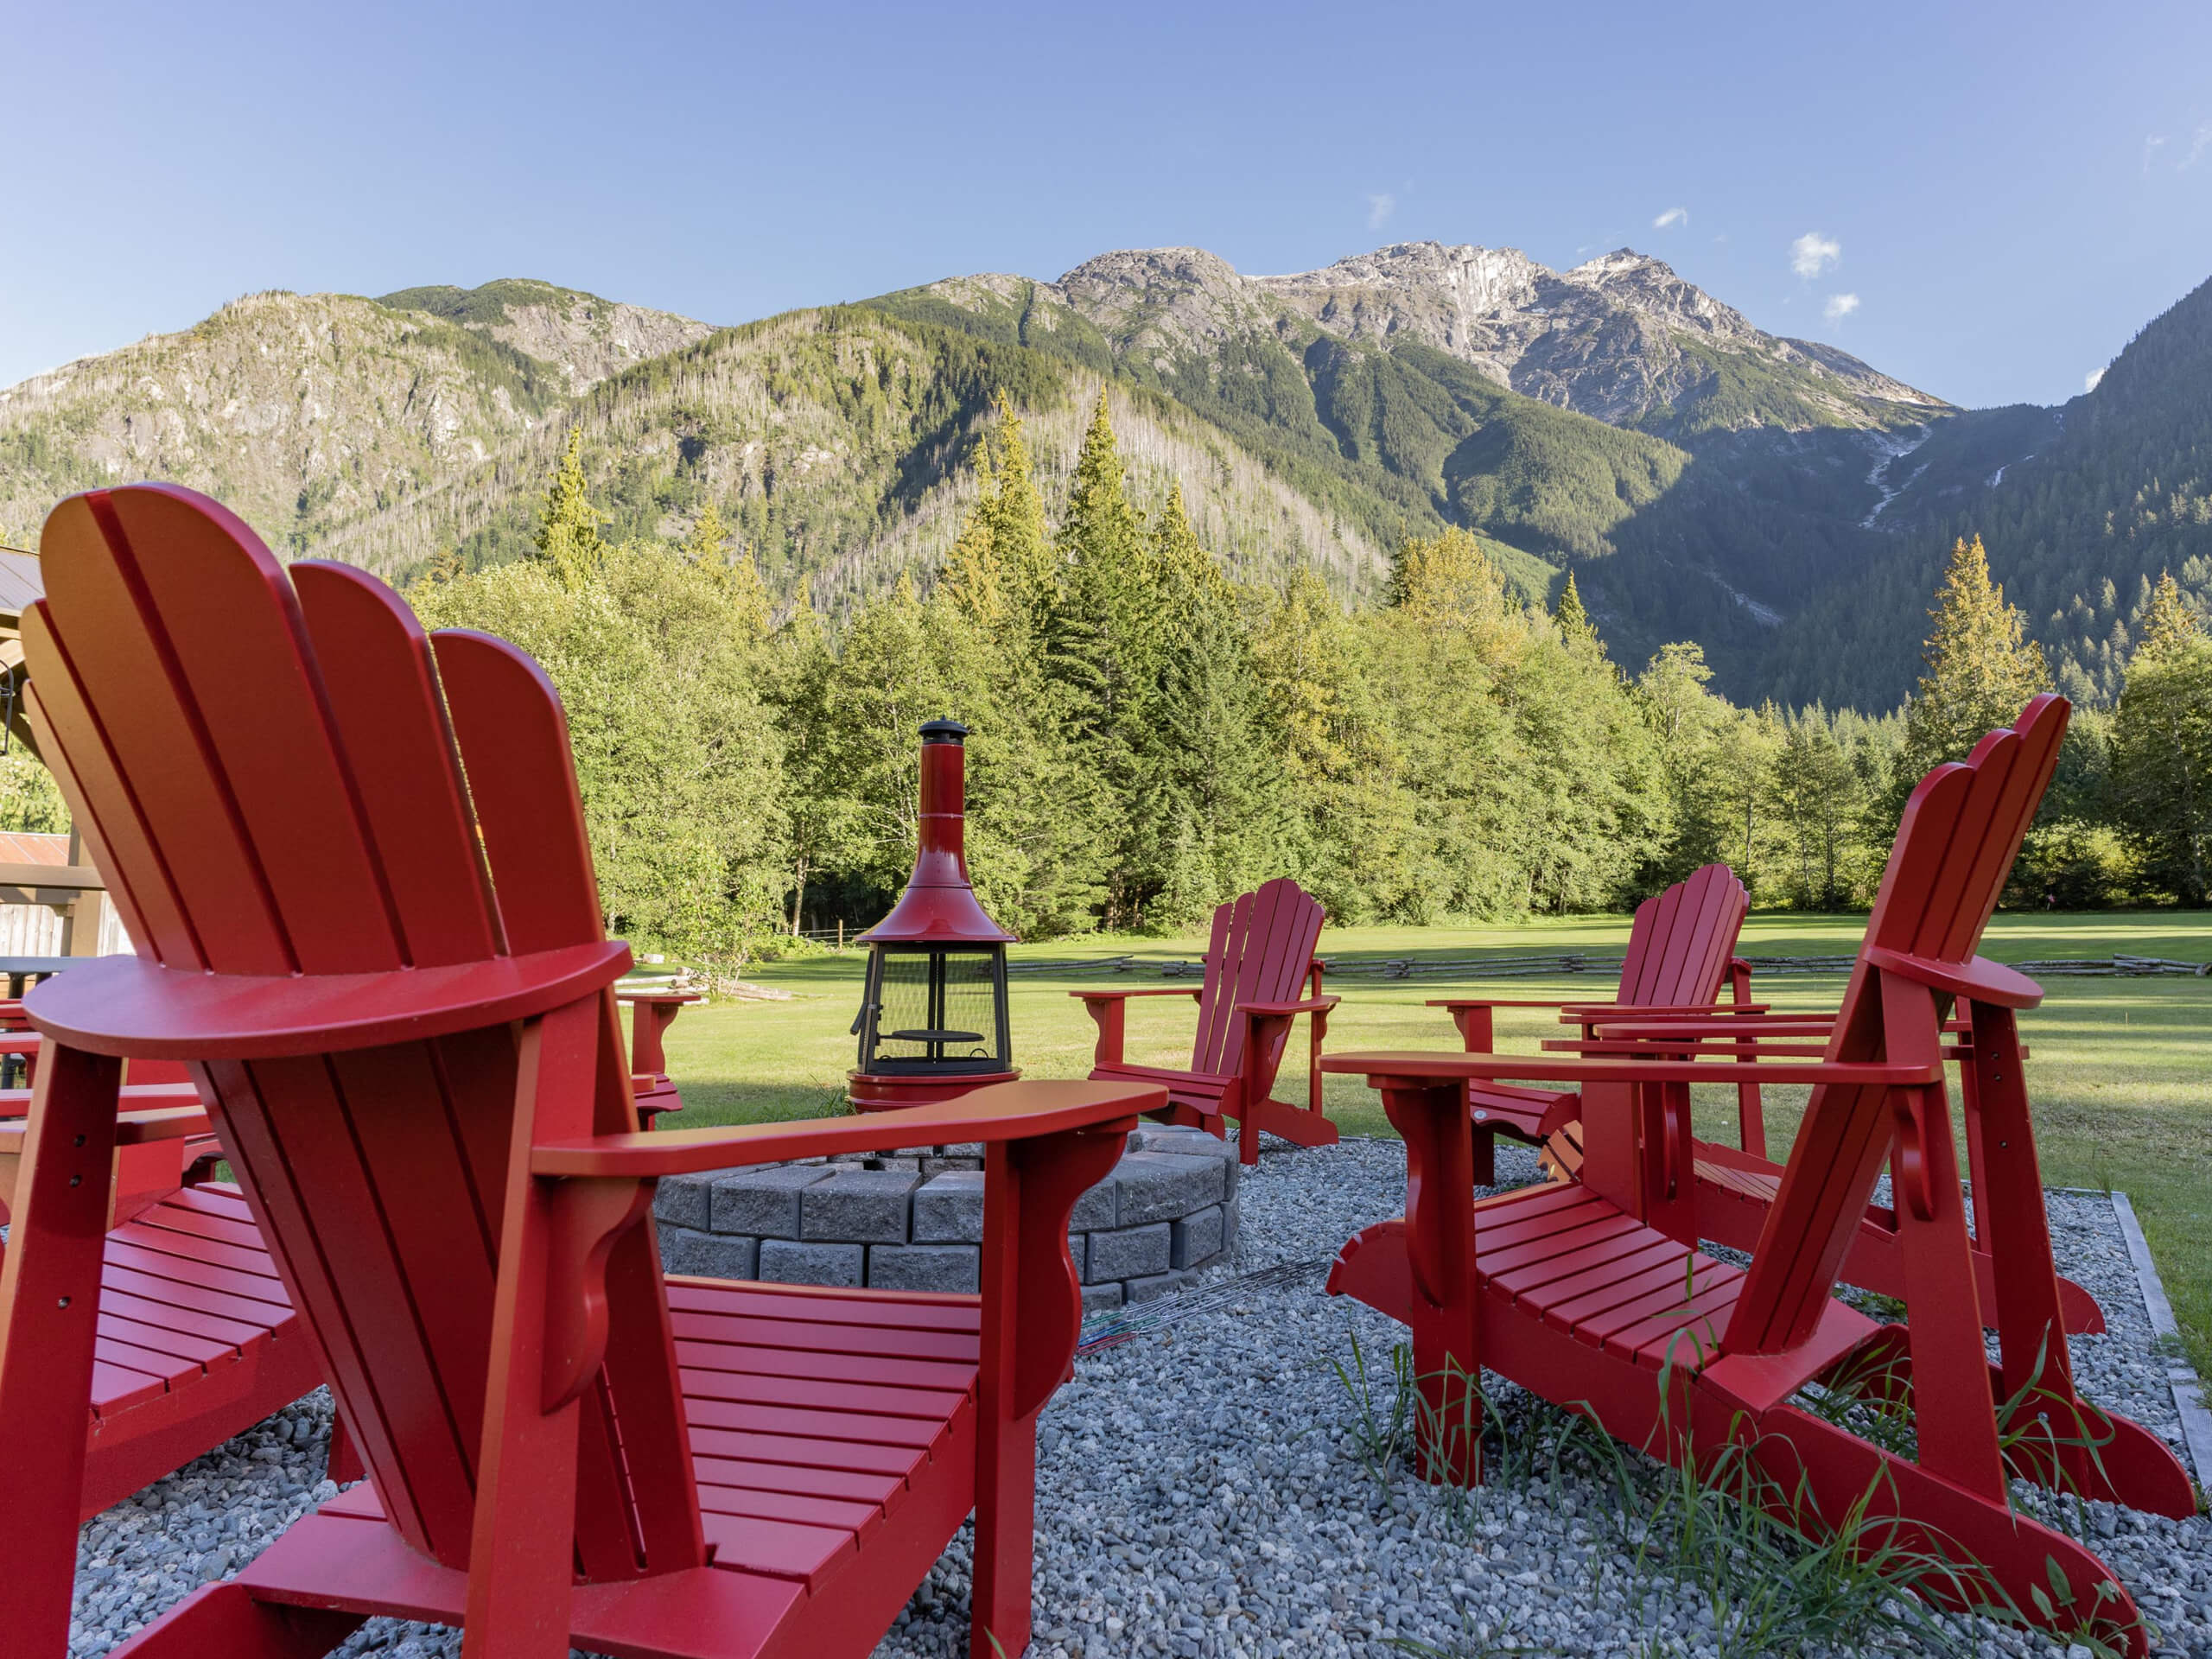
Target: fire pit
(933, 1023)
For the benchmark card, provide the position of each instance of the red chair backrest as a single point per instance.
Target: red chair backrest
(1261, 951)
(1682, 940)
(271, 765)
(1955, 845)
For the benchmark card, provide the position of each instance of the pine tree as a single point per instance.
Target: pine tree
(708, 541)
(568, 535)
(1982, 670)
(1027, 565)
(2168, 622)
(2162, 749)
(972, 578)
(1096, 629)
(1575, 623)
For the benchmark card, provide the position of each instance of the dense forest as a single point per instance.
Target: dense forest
(1151, 736)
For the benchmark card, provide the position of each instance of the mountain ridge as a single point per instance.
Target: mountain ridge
(1777, 500)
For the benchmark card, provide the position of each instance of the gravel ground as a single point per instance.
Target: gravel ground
(1208, 1488)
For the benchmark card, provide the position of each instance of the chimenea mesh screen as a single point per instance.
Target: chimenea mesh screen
(935, 1010)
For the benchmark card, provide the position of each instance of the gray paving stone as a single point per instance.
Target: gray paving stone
(1078, 1253)
(718, 1256)
(1153, 1286)
(948, 1209)
(867, 1205)
(1127, 1252)
(1097, 1298)
(924, 1267)
(1195, 1238)
(685, 1199)
(1157, 1186)
(1094, 1209)
(763, 1202)
(939, 1166)
(785, 1262)
(1195, 1143)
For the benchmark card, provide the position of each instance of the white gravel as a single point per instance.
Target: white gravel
(1204, 1491)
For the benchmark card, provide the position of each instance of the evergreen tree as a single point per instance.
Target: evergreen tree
(1575, 623)
(708, 541)
(2168, 622)
(1028, 566)
(1204, 783)
(972, 578)
(2162, 751)
(568, 540)
(1981, 669)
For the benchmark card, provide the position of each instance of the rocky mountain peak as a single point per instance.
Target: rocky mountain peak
(585, 337)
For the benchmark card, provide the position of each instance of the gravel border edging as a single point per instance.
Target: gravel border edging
(2181, 1376)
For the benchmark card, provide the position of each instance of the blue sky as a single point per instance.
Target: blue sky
(1984, 200)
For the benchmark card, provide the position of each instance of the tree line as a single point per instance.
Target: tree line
(1150, 737)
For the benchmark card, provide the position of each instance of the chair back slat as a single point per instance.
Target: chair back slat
(1939, 888)
(1654, 919)
(237, 647)
(298, 779)
(1681, 939)
(514, 747)
(383, 689)
(1262, 949)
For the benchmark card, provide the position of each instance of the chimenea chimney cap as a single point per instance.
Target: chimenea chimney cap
(943, 731)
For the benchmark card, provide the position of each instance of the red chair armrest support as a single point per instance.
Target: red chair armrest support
(130, 1006)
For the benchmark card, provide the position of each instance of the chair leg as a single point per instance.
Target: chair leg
(522, 1546)
(1440, 1249)
(49, 1308)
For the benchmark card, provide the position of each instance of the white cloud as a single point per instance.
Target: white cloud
(1813, 253)
(1840, 306)
(2090, 380)
(2150, 148)
(1379, 209)
(2198, 146)
(1671, 218)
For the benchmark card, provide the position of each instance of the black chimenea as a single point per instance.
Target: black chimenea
(933, 1023)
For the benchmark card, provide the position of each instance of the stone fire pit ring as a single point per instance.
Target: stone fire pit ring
(913, 1220)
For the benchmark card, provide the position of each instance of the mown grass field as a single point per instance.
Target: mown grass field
(2120, 1073)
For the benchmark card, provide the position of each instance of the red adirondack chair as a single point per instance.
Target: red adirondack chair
(1736, 1187)
(393, 991)
(1261, 952)
(1585, 1298)
(651, 1012)
(1681, 948)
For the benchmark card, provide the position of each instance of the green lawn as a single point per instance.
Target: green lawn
(2120, 1075)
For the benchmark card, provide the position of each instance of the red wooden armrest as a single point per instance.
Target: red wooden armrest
(128, 1006)
(1501, 1002)
(1310, 1005)
(1119, 996)
(680, 998)
(1004, 1111)
(1722, 1012)
(1670, 1043)
(1749, 1031)
(1982, 980)
(1430, 1063)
